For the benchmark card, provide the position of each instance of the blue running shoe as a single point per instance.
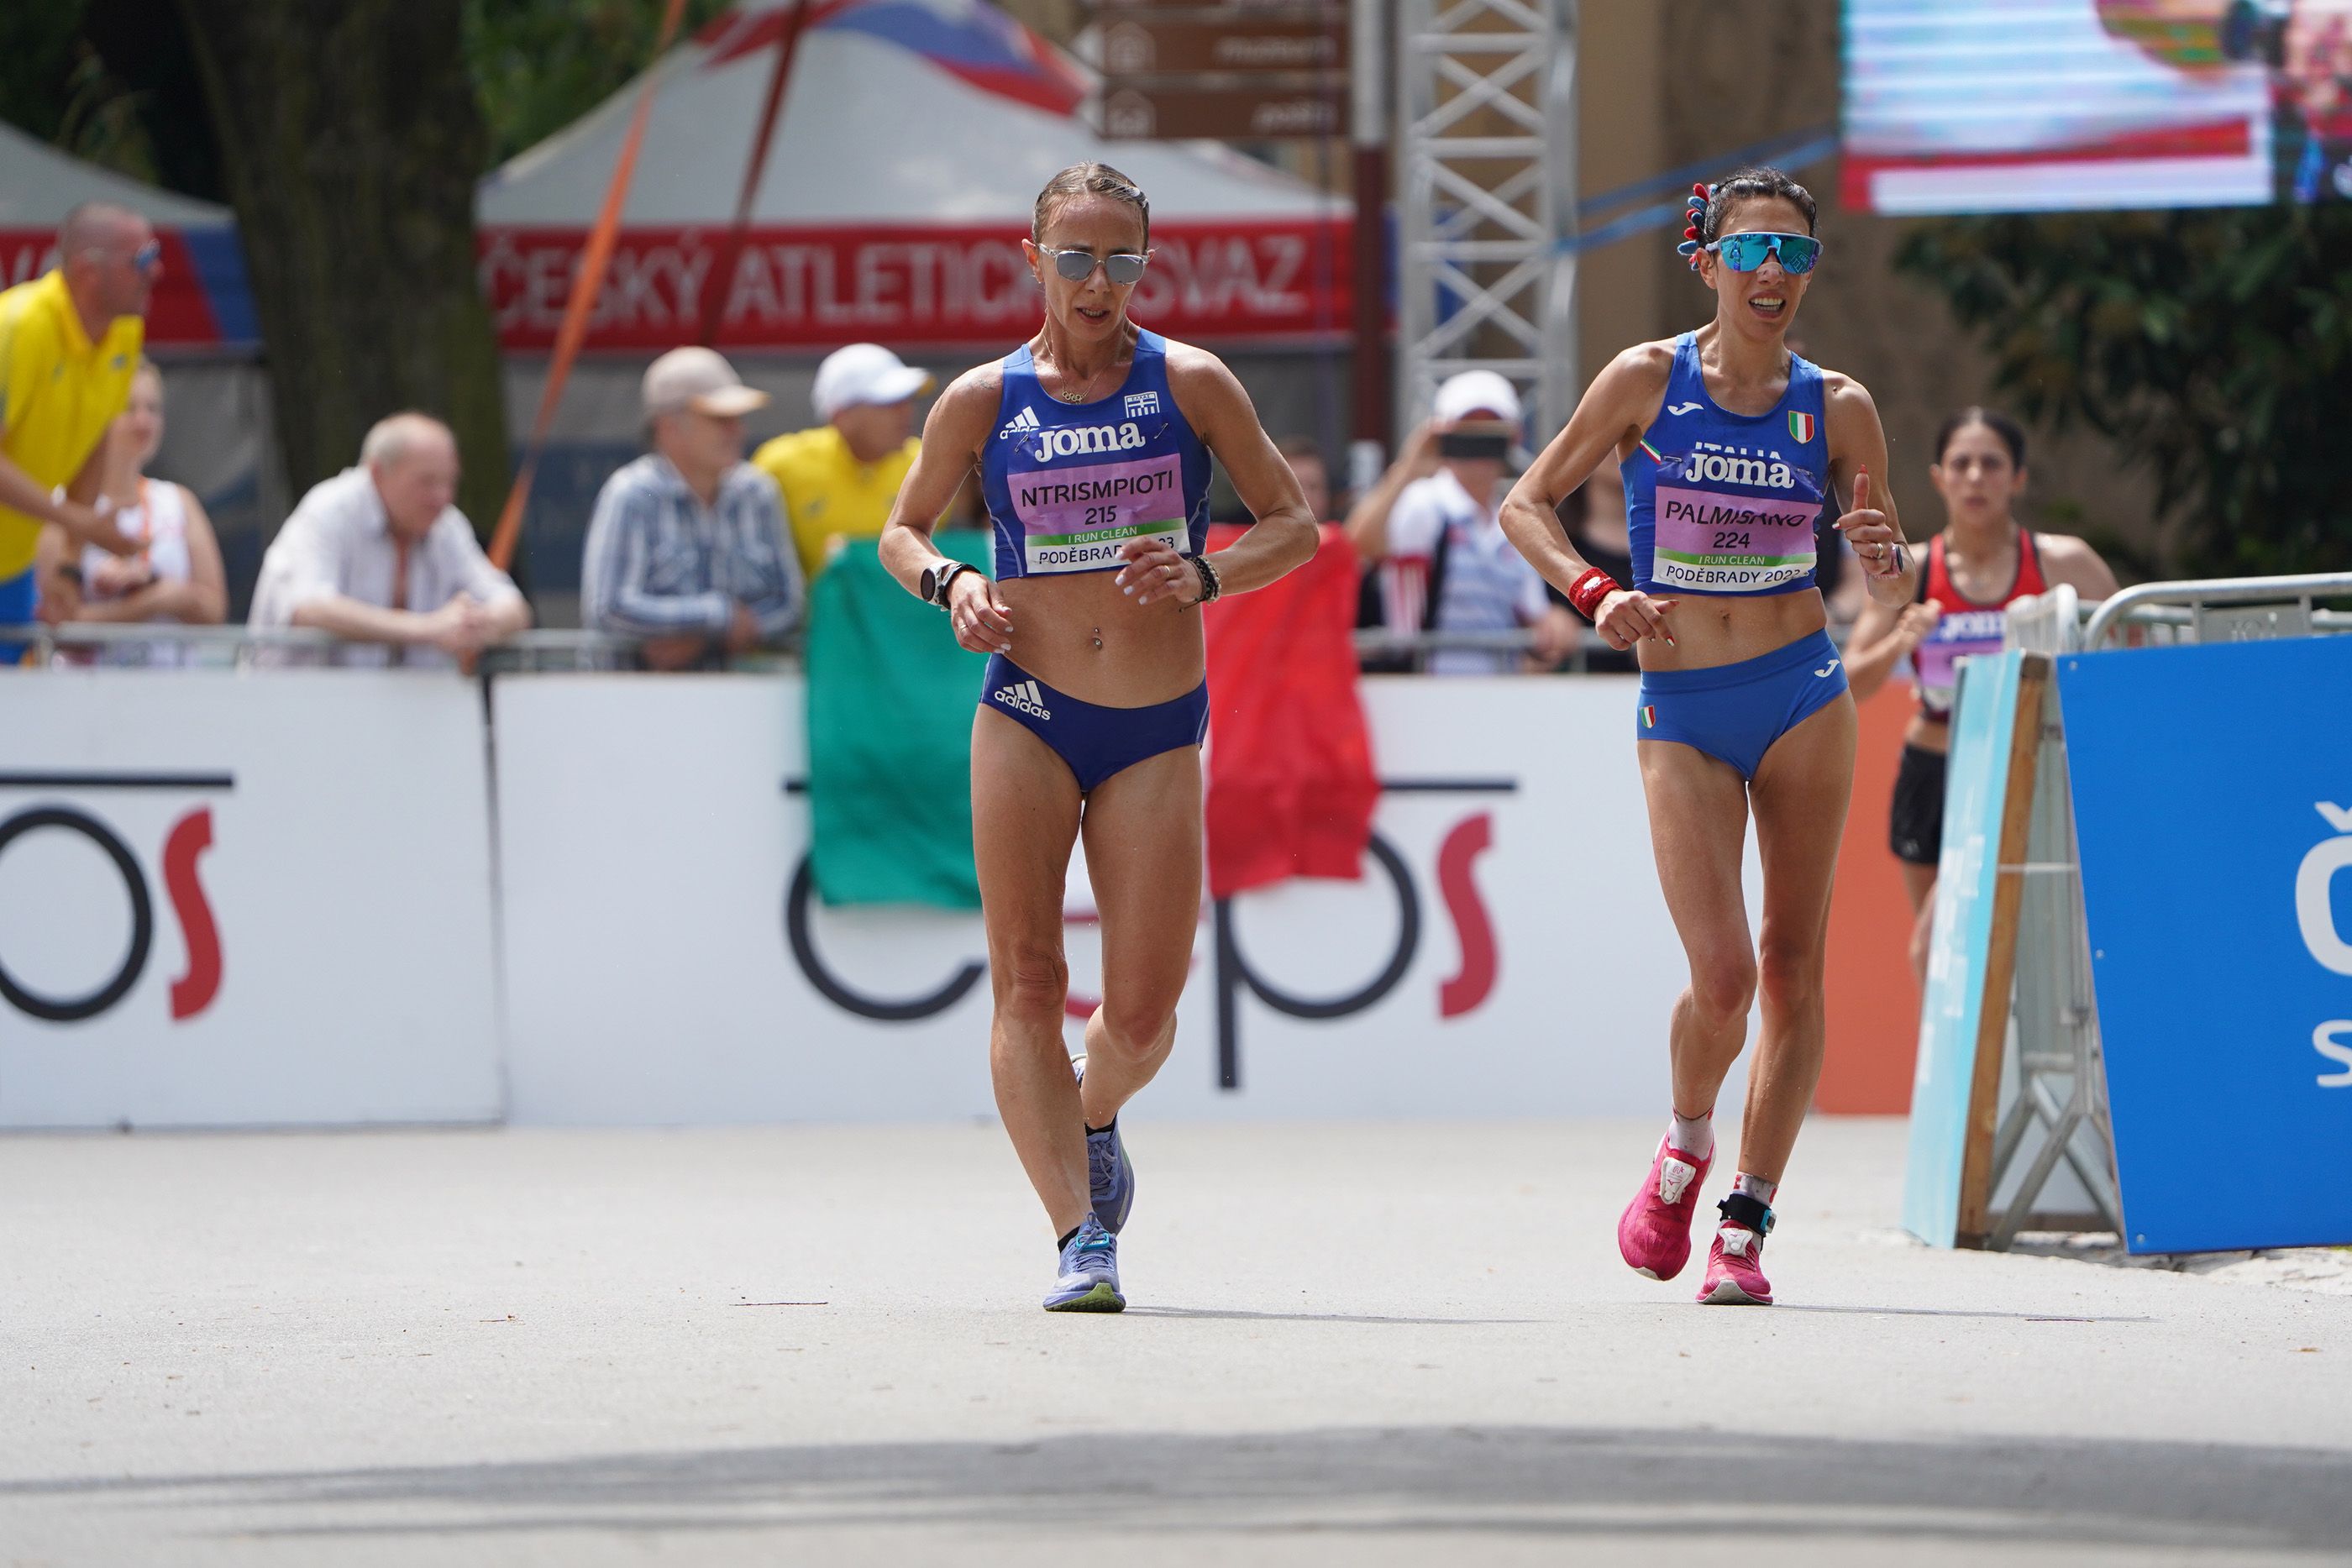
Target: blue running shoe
(1089, 1281)
(1110, 1175)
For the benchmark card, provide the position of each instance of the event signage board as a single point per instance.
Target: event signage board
(1151, 43)
(668, 962)
(2213, 803)
(911, 285)
(1182, 108)
(1964, 1015)
(239, 900)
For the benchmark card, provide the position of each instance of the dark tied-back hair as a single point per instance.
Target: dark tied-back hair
(1089, 180)
(1710, 204)
(2012, 435)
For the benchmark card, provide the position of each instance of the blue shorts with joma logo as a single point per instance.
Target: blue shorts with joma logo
(1735, 712)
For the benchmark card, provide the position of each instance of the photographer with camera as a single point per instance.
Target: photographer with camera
(1430, 524)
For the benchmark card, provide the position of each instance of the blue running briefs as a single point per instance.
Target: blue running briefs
(1096, 741)
(1735, 712)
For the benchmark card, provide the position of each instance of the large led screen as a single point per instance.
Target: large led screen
(1986, 106)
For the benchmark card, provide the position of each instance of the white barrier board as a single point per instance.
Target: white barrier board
(648, 848)
(242, 900)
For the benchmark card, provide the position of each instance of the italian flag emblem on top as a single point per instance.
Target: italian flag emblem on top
(1800, 426)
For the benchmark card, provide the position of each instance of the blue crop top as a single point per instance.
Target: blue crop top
(1722, 503)
(1067, 485)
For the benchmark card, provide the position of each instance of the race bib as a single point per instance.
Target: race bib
(1958, 634)
(1720, 543)
(1080, 519)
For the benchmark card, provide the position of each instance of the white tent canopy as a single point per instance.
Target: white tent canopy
(873, 130)
(39, 185)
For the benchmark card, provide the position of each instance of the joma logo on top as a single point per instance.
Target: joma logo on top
(1772, 476)
(1087, 439)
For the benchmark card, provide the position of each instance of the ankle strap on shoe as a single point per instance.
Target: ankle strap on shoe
(1741, 1208)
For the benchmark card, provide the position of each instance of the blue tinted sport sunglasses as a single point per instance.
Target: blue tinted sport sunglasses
(1122, 268)
(1746, 252)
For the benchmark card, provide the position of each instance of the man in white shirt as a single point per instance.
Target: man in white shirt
(379, 556)
(1434, 515)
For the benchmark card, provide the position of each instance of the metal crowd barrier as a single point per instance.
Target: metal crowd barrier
(2227, 609)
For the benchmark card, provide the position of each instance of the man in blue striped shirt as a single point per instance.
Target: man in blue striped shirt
(687, 549)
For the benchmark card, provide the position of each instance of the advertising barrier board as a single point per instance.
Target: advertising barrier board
(2213, 803)
(231, 899)
(1507, 952)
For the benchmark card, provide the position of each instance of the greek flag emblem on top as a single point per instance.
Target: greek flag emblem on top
(1142, 402)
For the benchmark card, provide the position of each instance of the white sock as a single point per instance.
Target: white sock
(1693, 1135)
(1754, 1187)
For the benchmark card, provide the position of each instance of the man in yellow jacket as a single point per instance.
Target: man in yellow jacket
(69, 342)
(838, 480)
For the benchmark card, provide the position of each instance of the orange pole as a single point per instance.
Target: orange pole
(594, 262)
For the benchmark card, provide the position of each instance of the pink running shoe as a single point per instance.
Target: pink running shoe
(1734, 1274)
(1653, 1233)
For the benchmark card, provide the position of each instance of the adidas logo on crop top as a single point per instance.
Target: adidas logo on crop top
(1726, 503)
(1068, 485)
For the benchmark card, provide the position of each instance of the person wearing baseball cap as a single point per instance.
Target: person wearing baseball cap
(837, 481)
(685, 551)
(1431, 523)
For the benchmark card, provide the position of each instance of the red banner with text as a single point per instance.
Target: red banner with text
(818, 289)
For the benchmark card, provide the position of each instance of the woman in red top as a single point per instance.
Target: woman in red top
(1981, 562)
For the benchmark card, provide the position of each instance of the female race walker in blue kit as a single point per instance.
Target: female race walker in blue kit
(1093, 445)
(1732, 448)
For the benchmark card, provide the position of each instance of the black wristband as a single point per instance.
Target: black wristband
(1210, 586)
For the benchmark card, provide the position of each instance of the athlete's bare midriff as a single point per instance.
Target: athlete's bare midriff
(1929, 734)
(1080, 634)
(1723, 629)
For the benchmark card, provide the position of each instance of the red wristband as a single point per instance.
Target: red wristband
(1590, 590)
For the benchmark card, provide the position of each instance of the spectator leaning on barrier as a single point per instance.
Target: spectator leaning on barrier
(70, 341)
(379, 557)
(838, 480)
(686, 551)
(1436, 508)
(176, 576)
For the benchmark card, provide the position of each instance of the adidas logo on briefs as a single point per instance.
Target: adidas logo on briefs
(1026, 420)
(1024, 696)
(1141, 403)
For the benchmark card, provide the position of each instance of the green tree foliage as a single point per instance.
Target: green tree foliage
(539, 64)
(2214, 346)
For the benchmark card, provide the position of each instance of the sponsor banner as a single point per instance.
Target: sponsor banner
(201, 299)
(908, 286)
(2213, 804)
(1506, 952)
(228, 900)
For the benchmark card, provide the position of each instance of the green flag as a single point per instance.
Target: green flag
(890, 700)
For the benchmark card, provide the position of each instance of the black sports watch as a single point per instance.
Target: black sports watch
(936, 578)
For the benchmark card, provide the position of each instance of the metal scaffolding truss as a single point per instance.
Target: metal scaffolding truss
(1487, 241)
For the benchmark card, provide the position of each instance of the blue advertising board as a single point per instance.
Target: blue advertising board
(1951, 1014)
(2213, 807)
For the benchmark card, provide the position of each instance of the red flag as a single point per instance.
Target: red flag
(1291, 788)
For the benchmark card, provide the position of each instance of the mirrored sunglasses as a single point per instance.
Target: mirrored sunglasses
(1122, 268)
(1746, 252)
(147, 255)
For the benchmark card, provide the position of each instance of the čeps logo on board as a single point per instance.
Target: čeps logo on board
(56, 811)
(2315, 915)
(1464, 991)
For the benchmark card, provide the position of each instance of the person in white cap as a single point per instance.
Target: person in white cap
(1433, 517)
(686, 551)
(838, 480)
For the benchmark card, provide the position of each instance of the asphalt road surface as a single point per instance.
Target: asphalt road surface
(1353, 1344)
